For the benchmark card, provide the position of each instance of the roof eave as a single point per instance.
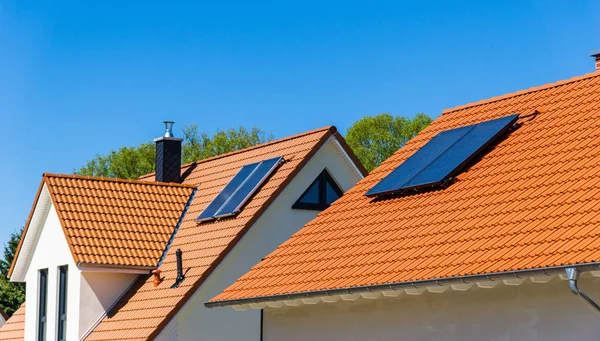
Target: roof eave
(469, 279)
(115, 268)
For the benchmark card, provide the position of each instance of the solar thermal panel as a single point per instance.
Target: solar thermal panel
(419, 160)
(442, 157)
(260, 173)
(235, 194)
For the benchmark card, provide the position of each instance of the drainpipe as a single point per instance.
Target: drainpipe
(573, 276)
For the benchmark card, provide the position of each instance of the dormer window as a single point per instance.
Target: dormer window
(320, 194)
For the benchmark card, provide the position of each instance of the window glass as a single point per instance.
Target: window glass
(62, 303)
(312, 195)
(331, 195)
(320, 194)
(42, 304)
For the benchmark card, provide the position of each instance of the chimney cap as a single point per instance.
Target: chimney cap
(168, 133)
(169, 128)
(595, 53)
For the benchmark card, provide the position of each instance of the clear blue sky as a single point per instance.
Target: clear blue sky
(79, 77)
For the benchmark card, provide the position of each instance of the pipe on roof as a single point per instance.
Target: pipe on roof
(573, 276)
(497, 276)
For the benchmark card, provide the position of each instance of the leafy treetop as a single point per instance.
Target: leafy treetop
(12, 294)
(132, 162)
(376, 138)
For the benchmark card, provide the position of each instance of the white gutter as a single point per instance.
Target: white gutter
(517, 277)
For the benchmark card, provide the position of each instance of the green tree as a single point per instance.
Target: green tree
(12, 294)
(198, 146)
(376, 138)
(132, 162)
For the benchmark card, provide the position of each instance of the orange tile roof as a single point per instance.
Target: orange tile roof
(147, 309)
(530, 202)
(14, 328)
(115, 222)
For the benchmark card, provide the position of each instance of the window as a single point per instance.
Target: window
(320, 194)
(42, 303)
(62, 303)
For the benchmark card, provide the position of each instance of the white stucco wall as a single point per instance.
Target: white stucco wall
(277, 224)
(51, 251)
(99, 291)
(528, 312)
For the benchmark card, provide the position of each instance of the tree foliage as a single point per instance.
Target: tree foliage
(12, 294)
(376, 138)
(132, 162)
(198, 146)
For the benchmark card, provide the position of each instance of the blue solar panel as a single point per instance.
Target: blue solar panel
(235, 202)
(419, 160)
(463, 151)
(445, 157)
(230, 200)
(216, 204)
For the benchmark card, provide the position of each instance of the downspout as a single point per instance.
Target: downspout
(573, 276)
(262, 321)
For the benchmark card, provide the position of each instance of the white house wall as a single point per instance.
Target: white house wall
(277, 224)
(528, 312)
(99, 291)
(51, 251)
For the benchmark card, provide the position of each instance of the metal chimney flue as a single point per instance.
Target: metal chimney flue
(168, 128)
(168, 156)
(180, 274)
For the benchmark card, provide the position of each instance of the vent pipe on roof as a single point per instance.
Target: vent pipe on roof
(573, 276)
(596, 55)
(180, 274)
(168, 156)
(157, 278)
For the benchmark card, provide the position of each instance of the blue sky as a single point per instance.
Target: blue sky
(79, 78)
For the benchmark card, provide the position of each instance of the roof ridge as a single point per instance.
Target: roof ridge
(521, 92)
(332, 129)
(98, 178)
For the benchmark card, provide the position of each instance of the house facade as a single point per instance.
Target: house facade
(483, 227)
(108, 259)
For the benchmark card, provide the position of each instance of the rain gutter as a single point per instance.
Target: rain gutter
(470, 279)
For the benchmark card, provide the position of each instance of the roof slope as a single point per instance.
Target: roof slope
(14, 328)
(532, 201)
(114, 222)
(146, 310)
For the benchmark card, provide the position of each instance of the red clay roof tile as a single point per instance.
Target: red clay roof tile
(14, 328)
(530, 202)
(108, 222)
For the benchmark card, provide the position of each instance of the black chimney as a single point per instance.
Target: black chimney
(168, 156)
